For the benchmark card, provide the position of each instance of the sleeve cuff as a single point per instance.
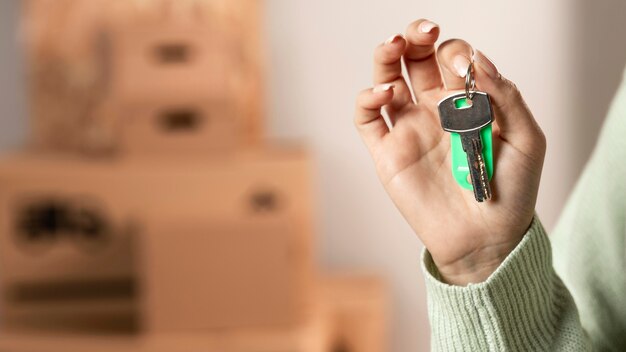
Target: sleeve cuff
(514, 307)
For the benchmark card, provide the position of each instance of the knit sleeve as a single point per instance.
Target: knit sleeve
(589, 240)
(522, 306)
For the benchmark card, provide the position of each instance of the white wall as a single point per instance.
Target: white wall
(12, 106)
(558, 52)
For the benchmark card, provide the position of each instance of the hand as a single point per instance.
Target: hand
(467, 240)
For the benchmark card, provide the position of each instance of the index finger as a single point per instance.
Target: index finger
(420, 58)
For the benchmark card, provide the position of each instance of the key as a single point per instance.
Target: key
(469, 119)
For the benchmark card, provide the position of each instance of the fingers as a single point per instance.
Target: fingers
(515, 121)
(368, 118)
(454, 56)
(388, 69)
(420, 58)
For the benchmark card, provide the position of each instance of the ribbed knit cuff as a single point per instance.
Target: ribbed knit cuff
(513, 310)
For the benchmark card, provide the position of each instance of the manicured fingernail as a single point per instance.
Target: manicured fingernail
(486, 64)
(427, 26)
(460, 63)
(383, 87)
(393, 39)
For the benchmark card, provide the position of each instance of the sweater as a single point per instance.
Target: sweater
(566, 292)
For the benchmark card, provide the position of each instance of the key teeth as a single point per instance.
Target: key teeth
(484, 195)
(484, 199)
(480, 199)
(485, 189)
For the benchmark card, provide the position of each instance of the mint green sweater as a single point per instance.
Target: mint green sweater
(566, 293)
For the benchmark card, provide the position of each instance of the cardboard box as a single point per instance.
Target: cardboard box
(67, 68)
(207, 49)
(176, 125)
(358, 308)
(311, 336)
(203, 274)
(164, 59)
(69, 229)
(66, 237)
(193, 72)
(84, 56)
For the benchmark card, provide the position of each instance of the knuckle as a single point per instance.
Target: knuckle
(541, 140)
(512, 98)
(454, 44)
(357, 119)
(362, 97)
(378, 53)
(513, 91)
(386, 56)
(535, 140)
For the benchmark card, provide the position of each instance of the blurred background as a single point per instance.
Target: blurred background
(305, 63)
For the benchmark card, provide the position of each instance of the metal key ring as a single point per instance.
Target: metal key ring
(470, 82)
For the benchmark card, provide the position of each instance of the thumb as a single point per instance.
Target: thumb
(515, 121)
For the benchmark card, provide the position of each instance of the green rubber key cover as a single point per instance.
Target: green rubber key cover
(460, 169)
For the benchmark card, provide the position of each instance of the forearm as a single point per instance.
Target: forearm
(522, 306)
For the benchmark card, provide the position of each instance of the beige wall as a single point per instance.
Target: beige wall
(562, 55)
(12, 107)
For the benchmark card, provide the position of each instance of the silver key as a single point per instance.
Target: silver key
(467, 120)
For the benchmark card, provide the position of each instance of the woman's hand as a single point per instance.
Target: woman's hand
(467, 240)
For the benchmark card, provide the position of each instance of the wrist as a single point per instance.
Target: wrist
(477, 266)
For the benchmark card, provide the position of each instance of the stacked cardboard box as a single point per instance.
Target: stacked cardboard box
(78, 232)
(134, 76)
(350, 315)
(187, 232)
(358, 311)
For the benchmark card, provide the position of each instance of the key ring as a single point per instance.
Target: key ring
(470, 82)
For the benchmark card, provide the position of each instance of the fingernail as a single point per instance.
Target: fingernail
(383, 87)
(393, 39)
(460, 63)
(486, 64)
(427, 26)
